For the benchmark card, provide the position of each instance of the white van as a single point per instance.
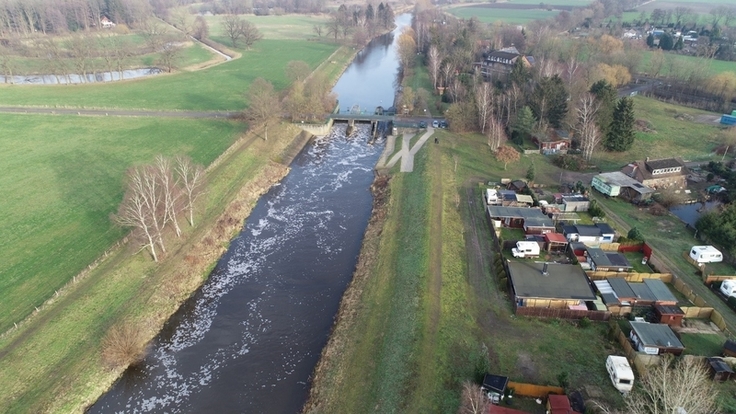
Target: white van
(620, 372)
(526, 249)
(705, 254)
(728, 288)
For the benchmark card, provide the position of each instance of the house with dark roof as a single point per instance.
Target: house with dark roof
(510, 198)
(719, 370)
(549, 285)
(670, 315)
(655, 338)
(574, 202)
(616, 291)
(499, 63)
(553, 140)
(607, 261)
(532, 220)
(660, 173)
(618, 184)
(516, 185)
(590, 234)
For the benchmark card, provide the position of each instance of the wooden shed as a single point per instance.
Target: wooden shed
(719, 369)
(670, 314)
(729, 348)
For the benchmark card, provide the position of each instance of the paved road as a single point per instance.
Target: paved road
(118, 112)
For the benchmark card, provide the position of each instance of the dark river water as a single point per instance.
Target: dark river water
(248, 340)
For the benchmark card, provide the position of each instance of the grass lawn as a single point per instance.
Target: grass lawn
(218, 88)
(675, 61)
(491, 15)
(52, 362)
(691, 140)
(63, 176)
(703, 344)
(635, 259)
(291, 26)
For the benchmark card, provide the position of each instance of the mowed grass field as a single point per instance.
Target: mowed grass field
(491, 15)
(62, 177)
(677, 62)
(221, 87)
(293, 26)
(673, 136)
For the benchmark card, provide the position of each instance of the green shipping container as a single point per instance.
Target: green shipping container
(733, 113)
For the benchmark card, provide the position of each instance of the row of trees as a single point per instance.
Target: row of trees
(307, 99)
(361, 22)
(26, 17)
(157, 195)
(237, 28)
(87, 53)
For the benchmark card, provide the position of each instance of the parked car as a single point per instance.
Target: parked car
(443, 124)
(435, 124)
(422, 124)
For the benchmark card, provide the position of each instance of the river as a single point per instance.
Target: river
(249, 339)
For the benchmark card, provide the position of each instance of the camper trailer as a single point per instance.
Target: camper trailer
(620, 372)
(728, 288)
(492, 197)
(706, 254)
(526, 249)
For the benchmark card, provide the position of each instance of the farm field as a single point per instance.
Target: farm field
(192, 54)
(52, 363)
(63, 177)
(217, 88)
(293, 26)
(491, 15)
(675, 62)
(675, 133)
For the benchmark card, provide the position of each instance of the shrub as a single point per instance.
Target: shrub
(123, 345)
(584, 323)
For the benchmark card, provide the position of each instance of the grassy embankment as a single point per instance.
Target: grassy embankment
(51, 362)
(426, 312)
(56, 227)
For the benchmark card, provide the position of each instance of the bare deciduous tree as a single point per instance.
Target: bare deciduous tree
(448, 69)
(263, 103)
(191, 177)
(434, 65)
(484, 102)
(170, 192)
(496, 134)
(673, 387)
(139, 208)
(473, 400)
(587, 129)
(297, 70)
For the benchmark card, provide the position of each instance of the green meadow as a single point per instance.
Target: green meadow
(491, 15)
(220, 87)
(62, 177)
(675, 62)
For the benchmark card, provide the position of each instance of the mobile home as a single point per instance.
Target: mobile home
(620, 372)
(705, 254)
(526, 249)
(728, 288)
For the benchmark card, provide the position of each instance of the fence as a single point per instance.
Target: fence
(563, 313)
(610, 247)
(710, 279)
(629, 276)
(640, 361)
(536, 391)
(697, 312)
(629, 248)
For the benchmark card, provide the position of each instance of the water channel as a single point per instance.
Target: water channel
(77, 79)
(249, 339)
